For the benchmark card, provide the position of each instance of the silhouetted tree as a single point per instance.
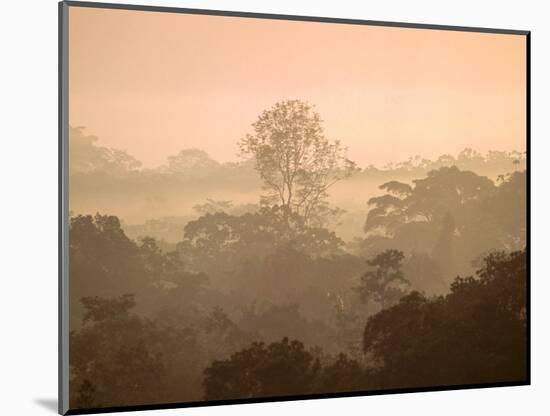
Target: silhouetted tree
(110, 360)
(106, 263)
(280, 368)
(457, 213)
(342, 375)
(226, 240)
(295, 160)
(120, 358)
(385, 284)
(191, 162)
(503, 215)
(445, 191)
(475, 334)
(87, 157)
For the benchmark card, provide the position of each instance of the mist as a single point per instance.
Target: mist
(291, 263)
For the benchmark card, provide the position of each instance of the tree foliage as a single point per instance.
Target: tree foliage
(280, 368)
(87, 157)
(111, 356)
(446, 191)
(475, 334)
(106, 263)
(221, 236)
(445, 213)
(283, 368)
(296, 162)
(385, 282)
(191, 162)
(266, 300)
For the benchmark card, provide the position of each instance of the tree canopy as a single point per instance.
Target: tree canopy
(384, 282)
(472, 335)
(296, 162)
(445, 213)
(236, 293)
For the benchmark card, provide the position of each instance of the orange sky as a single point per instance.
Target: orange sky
(155, 83)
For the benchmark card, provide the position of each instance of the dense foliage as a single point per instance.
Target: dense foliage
(182, 346)
(217, 298)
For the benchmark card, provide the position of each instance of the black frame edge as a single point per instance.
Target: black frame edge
(279, 399)
(63, 232)
(300, 18)
(528, 196)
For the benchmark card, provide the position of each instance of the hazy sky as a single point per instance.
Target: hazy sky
(156, 83)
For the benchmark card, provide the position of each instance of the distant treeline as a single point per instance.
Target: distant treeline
(158, 202)
(89, 157)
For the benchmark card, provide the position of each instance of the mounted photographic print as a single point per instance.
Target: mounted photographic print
(263, 208)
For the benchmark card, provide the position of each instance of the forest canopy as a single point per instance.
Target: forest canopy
(292, 271)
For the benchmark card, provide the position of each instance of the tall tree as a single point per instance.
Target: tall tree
(296, 162)
(385, 282)
(443, 248)
(458, 214)
(443, 192)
